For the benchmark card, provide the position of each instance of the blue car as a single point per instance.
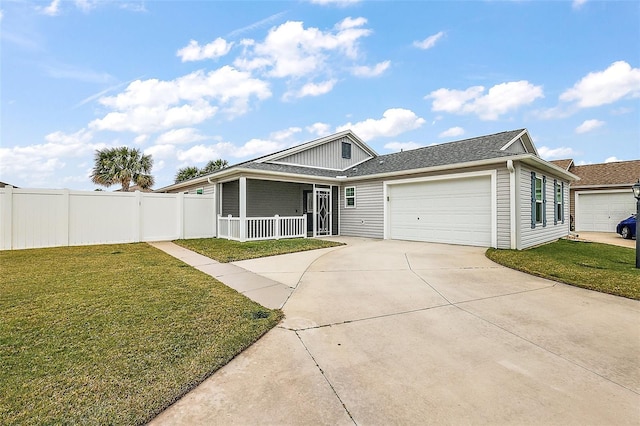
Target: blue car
(627, 228)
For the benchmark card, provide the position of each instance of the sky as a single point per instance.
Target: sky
(193, 81)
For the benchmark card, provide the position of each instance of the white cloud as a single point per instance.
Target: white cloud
(312, 89)
(41, 160)
(556, 153)
(452, 132)
(257, 147)
(612, 160)
(618, 81)
(52, 10)
(1, 14)
(290, 50)
(147, 106)
(194, 52)
(366, 71)
(429, 42)
(401, 146)
(141, 139)
(589, 125)
(394, 121)
(161, 152)
(200, 153)
(286, 134)
(577, 4)
(85, 5)
(319, 129)
(500, 99)
(180, 136)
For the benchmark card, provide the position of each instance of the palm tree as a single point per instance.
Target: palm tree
(213, 166)
(122, 165)
(187, 173)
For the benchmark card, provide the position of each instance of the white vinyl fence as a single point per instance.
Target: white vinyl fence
(32, 218)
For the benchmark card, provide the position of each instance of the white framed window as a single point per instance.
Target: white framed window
(559, 202)
(539, 200)
(350, 197)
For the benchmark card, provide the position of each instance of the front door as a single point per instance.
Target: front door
(307, 197)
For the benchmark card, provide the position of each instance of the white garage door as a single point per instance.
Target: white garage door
(601, 212)
(454, 211)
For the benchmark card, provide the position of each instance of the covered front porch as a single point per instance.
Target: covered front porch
(252, 209)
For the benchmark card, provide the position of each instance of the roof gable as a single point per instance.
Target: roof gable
(565, 164)
(616, 173)
(322, 152)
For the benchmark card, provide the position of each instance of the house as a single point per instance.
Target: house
(489, 191)
(603, 196)
(4, 184)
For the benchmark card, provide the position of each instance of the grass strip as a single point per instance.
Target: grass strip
(600, 267)
(112, 334)
(230, 251)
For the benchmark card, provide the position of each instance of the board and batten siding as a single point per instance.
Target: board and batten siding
(328, 155)
(529, 237)
(503, 216)
(367, 218)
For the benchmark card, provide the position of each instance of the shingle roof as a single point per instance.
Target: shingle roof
(563, 164)
(616, 173)
(451, 153)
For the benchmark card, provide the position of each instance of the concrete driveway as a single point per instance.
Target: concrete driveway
(391, 332)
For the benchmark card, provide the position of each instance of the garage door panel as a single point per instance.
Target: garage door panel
(601, 212)
(456, 211)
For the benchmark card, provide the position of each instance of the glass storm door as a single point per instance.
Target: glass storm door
(323, 212)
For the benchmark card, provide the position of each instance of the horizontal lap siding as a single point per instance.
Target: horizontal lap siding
(502, 209)
(540, 234)
(366, 219)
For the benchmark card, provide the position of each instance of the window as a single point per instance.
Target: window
(200, 191)
(346, 150)
(350, 197)
(559, 202)
(538, 200)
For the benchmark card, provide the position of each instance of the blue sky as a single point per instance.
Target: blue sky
(193, 81)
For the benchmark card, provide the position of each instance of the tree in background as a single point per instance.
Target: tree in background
(191, 172)
(122, 165)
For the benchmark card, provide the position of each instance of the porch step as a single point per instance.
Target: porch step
(269, 293)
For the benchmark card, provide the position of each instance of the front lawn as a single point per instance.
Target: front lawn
(112, 334)
(600, 267)
(230, 251)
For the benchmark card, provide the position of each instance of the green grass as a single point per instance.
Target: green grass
(112, 334)
(230, 251)
(600, 267)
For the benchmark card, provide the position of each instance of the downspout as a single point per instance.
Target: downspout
(512, 204)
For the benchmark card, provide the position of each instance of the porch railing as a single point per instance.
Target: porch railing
(262, 228)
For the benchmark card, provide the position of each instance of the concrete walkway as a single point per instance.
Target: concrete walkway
(392, 332)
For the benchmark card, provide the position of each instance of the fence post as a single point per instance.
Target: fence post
(137, 214)
(304, 225)
(6, 224)
(180, 202)
(66, 218)
(277, 230)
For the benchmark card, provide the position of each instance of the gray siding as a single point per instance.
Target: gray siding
(269, 198)
(366, 219)
(502, 209)
(328, 156)
(529, 237)
(517, 147)
(230, 198)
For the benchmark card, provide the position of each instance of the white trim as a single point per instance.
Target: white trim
(576, 208)
(353, 196)
(513, 230)
(242, 206)
(493, 174)
(514, 140)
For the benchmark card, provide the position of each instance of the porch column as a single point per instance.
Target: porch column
(243, 208)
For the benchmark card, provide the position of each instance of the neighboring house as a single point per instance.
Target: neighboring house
(3, 184)
(489, 191)
(603, 196)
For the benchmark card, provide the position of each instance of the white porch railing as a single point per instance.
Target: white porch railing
(262, 228)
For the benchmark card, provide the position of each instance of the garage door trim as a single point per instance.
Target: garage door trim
(577, 193)
(494, 208)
